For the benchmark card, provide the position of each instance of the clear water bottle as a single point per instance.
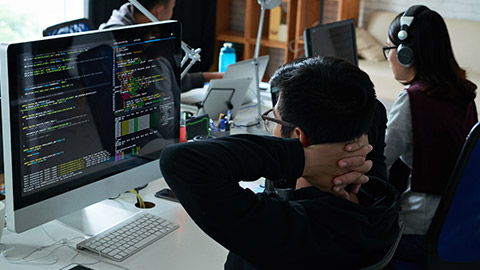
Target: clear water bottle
(226, 57)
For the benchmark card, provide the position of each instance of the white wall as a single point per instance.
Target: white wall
(458, 9)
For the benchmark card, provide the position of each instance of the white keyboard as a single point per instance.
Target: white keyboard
(128, 237)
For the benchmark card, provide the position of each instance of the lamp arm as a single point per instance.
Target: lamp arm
(259, 32)
(143, 10)
(255, 61)
(190, 53)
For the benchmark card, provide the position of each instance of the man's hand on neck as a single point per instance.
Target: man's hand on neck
(331, 167)
(302, 183)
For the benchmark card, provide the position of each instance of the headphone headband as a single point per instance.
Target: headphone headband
(407, 19)
(405, 54)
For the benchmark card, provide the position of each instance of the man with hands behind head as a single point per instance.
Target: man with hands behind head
(314, 125)
(319, 225)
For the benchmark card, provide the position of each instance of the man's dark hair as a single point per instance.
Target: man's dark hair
(149, 4)
(329, 98)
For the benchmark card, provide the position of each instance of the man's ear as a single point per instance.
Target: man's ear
(300, 134)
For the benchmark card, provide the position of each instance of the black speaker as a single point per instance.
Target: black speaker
(405, 55)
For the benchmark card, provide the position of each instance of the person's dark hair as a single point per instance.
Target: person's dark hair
(329, 98)
(434, 61)
(149, 4)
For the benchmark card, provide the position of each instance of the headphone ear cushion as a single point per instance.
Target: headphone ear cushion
(405, 55)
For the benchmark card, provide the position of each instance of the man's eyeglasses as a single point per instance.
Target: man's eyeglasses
(386, 50)
(270, 121)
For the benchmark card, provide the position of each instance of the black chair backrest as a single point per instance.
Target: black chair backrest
(453, 239)
(383, 263)
(74, 26)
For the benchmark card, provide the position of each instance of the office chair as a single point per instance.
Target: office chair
(74, 26)
(388, 256)
(453, 238)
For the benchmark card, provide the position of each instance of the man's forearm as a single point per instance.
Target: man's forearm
(236, 158)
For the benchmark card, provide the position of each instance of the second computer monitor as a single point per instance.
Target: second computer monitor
(332, 39)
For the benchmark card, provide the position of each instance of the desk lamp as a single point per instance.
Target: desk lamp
(264, 4)
(190, 53)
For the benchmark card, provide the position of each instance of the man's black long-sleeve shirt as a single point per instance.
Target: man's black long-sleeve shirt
(314, 230)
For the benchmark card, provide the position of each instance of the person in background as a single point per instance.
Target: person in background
(428, 122)
(162, 10)
(317, 226)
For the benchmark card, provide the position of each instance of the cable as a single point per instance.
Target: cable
(245, 126)
(248, 106)
(72, 260)
(25, 259)
(114, 198)
(28, 258)
(51, 237)
(66, 242)
(140, 201)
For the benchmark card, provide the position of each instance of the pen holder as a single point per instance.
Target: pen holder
(218, 134)
(197, 126)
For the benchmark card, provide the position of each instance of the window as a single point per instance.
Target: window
(26, 19)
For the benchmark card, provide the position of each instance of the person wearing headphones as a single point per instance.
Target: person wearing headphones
(429, 121)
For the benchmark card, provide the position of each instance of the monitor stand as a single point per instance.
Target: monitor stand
(95, 218)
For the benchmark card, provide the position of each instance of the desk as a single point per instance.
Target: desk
(186, 248)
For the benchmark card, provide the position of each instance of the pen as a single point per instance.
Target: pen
(220, 116)
(212, 126)
(229, 115)
(222, 124)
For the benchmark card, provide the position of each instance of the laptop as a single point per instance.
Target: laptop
(332, 39)
(246, 68)
(241, 69)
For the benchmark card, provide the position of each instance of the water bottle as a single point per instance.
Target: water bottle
(226, 57)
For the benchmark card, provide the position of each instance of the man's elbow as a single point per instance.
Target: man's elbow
(168, 160)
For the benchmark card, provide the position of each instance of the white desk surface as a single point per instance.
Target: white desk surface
(186, 248)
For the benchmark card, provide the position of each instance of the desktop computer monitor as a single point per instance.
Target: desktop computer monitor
(85, 117)
(332, 39)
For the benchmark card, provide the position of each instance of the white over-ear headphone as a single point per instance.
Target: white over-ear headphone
(405, 54)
